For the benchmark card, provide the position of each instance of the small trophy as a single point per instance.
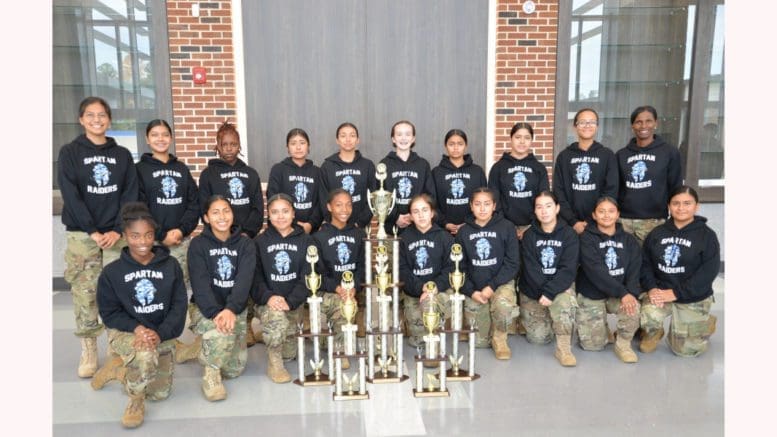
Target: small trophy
(348, 309)
(317, 377)
(456, 279)
(381, 202)
(432, 343)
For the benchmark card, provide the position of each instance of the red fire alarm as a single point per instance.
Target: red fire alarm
(198, 75)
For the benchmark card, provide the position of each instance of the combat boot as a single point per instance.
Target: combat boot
(259, 336)
(87, 365)
(623, 350)
(499, 344)
(212, 387)
(649, 342)
(185, 352)
(250, 339)
(712, 323)
(133, 414)
(113, 369)
(519, 328)
(610, 335)
(275, 369)
(564, 351)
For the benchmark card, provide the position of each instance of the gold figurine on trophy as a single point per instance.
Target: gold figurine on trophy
(380, 201)
(456, 277)
(313, 280)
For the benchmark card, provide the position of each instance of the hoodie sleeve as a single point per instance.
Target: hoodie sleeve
(110, 308)
(544, 185)
(329, 277)
(191, 217)
(71, 195)
(699, 283)
(202, 293)
(512, 259)
(566, 270)
(129, 192)
(674, 176)
(646, 276)
(260, 291)
(560, 189)
(442, 280)
(532, 270)
(592, 264)
(634, 266)
(323, 193)
(204, 189)
(244, 278)
(274, 184)
(364, 217)
(175, 320)
(469, 287)
(411, 288)
(316, 217)
(300, 292)
(361, 269)
(439, 216)
(493, 184)
(429, 182)
(255, 220)
(612, 177)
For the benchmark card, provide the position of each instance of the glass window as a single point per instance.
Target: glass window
(711, 141)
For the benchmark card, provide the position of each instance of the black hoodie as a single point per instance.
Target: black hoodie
(686, 260)
(647, 176)
(221, 272)
(153, 295)
(409, 178)
(516, 183)
(453, 187)
(425, 257)
(302, 184)
(609, 265)
(170, 192)
(581, 177)
(95, 182)
(241, 186)
(549, 260)
(354, 177)
(281, 266)
(491, 253)
(340, 250)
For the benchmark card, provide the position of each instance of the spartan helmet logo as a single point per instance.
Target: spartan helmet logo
(457, 188)
(169, 186)
(638, 171)
(611, 258)
(224, 268)
(483, 248)
(300, 192)
(349, 184)
(144, 291)
(343, 253)
(101, 174)
(547, 257)
(282, 262)
(519, 180)
(421, 257)
(671, 255)
(583, 173)
(236, 188)
(404, 185)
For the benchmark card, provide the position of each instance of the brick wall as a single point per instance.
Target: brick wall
(198, 110)
(526, 74)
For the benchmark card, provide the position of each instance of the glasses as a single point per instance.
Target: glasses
(587, 123)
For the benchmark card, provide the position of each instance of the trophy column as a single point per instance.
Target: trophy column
(344, 385)
(435, 352)
(456, 278)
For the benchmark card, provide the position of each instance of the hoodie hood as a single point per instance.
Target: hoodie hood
(220, 163)
(161, 254)
(575, 147)
(657, 142)
(82, 140)
(149, 158)
(290, 163)
(335, 158)
(445, 162)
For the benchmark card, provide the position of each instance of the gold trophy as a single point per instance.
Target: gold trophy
(348, 309)
(431, 319)
(456, 277)
(380, 201)
(434, 353)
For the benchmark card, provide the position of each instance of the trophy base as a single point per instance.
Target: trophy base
(350, 397)
(462, 375)
(391, 377)
(426, 393)
(312, 381)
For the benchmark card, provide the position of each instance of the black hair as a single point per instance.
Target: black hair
(297, 132)
(213, 199)
(88, 101)
(158, 122)
(346, 124)
(336, 192)
(684, 189)
(403, 122)
(603, 199)
(132, 212)
(641, 109)
(546, 193)
(577, 114)
(454, 132)
(280, 196)
(522, 125)
(486, 190)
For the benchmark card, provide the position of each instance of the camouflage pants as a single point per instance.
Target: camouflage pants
(592, 322)
(221, 351)
(279, 328)
(688, 331)
(415, 323)
(498, 313)
(330, 311)
(542, 322)
(179, 253)
(84, 261)
(639, 228)
(149, 372)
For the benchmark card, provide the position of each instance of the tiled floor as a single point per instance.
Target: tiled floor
(528, 395)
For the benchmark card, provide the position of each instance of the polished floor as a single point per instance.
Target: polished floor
(529, 395)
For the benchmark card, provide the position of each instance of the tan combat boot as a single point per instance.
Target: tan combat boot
(87, 365)
(649, 342)
(564, 351)
(610, 335)
(133, 414)
(712, 323)
(113, 369)
(185, 352)
(499, 344)
(275, 369)
(624, 351)
(212, 387)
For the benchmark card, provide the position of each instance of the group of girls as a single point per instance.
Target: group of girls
(566, 249)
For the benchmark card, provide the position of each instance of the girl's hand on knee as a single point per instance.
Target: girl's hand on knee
(544, 301)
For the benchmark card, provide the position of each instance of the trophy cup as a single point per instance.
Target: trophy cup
(432, 342)
(380, 201)
(456, 279)
(348, 309)
(317, 377)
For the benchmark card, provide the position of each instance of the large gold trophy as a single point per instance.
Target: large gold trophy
(456, 279)
(348, 309)
(434, 352)
(381, 201)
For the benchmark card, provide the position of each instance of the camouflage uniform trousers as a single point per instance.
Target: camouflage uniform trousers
(221, 351)
(688, 331)
(149, 372)
(330, 311)
(640, 228)
(592, 321)
(500, 311)
(84, 261)
(179, 253)
(542, 322)
(413, 312)
(279, 328)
